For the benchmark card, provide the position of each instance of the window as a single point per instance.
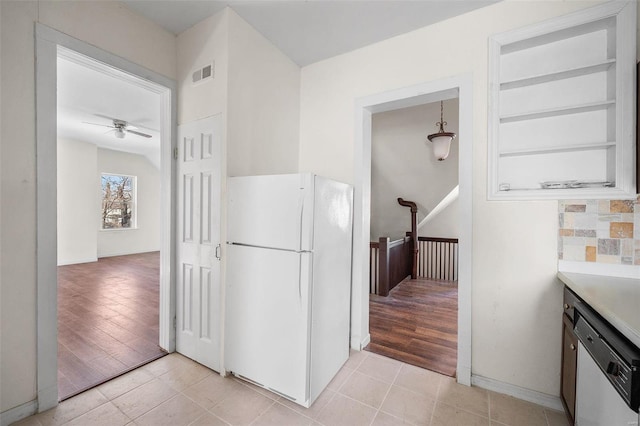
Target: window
(118, 201)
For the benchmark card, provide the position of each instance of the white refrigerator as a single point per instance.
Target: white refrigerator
(288, 282)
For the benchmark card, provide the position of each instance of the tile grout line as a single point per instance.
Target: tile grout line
(325, 407)
(489, 407)
(295, 411)
(379, 409)
(216, 416)
(435, 400)
(262, 413)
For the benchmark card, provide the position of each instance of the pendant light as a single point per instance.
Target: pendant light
(442, 140)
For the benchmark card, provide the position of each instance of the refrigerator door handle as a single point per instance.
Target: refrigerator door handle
(301, 209)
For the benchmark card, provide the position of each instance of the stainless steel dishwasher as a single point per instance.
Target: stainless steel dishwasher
(608, 377)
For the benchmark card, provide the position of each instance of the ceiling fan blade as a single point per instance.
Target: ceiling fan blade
(105, 116)
(125, 123)
(97, 124)
(138, 133)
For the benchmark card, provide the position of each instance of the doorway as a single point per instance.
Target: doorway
(460, 87)
(413, 309)
(108, 223)
(49, 45)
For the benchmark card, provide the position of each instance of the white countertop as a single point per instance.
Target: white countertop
(616, 299)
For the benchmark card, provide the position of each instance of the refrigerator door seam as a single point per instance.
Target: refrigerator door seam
(300, 278)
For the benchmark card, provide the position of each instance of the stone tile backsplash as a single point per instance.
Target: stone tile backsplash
(604, 231)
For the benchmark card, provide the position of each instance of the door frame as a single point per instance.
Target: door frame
(49, 43)
(457, 86)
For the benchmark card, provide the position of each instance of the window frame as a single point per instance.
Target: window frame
(133, 220)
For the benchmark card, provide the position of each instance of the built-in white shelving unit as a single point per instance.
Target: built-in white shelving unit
(562, 107)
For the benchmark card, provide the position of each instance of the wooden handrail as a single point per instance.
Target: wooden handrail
(438, 240)
(414, 234)
(396, 243)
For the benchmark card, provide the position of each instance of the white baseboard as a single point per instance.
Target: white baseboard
(125, 253)
(357, 344)
(76, 261)
(365, 341)
(546, 400)
(18, 413)
(464, 376)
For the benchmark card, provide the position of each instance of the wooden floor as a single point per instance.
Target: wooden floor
(107, 319)
(417, 324)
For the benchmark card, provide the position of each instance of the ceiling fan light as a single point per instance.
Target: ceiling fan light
(119, 133)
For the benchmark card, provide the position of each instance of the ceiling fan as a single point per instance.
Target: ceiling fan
(120, 128)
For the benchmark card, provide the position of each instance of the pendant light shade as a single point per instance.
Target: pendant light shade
(442, 140)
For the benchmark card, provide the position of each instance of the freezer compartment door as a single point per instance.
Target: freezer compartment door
(267, 318)
(271, 211)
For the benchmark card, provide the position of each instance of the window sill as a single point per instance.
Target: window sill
(118, 229)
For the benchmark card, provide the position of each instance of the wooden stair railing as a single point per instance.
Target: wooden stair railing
(394, 264)
(413, 234)
(374, 267)
(438, 258)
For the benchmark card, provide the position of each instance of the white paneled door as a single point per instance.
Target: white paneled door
(198, 300)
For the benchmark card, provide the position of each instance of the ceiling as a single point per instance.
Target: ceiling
(310, 31)
(87, 95)
(306, 31)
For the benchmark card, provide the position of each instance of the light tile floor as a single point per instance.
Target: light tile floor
(368, 390)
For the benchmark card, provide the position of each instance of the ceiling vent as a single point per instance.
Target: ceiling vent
(203, 74)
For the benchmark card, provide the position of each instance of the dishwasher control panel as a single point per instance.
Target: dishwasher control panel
(617, 358)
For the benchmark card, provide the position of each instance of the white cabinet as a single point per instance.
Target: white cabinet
(562, 107)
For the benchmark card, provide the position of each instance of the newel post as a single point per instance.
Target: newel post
(414, 235)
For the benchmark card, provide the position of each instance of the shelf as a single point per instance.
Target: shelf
(551, 150)
(545, 78)
(587, 186)
(531, 40)
(554, 112)
(560, 106)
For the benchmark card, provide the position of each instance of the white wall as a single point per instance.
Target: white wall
(516, 304)
(264, 104)
(403, 165)
(146, 235)
(199, 45)
(133, 38)
(445, 224)
(78, 197)
(80, 165)
(256, 88)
